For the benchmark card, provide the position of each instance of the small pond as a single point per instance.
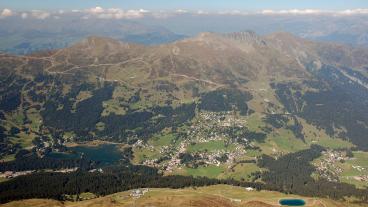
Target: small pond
(292, 202)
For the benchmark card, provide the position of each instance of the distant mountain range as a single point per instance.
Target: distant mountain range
(346, 29)
(24, 36)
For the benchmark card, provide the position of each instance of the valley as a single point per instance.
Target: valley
(277, 112)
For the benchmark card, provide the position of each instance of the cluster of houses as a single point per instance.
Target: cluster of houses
(175, 161)
(328, 168)
(174, 158)
(238, 152)
(209, 126)
(137, 193)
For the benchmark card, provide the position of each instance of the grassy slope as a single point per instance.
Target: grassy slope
(280, 140)
(210, 146)
(349, 173)
(219, 195)
(210, 171)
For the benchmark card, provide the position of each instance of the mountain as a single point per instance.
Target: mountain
(223, 106)
(332, 27)
(24, 36)
(187, 69)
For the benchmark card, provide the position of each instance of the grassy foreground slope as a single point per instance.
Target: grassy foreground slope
(219, 195)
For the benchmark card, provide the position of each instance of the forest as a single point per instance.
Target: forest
(341, 106)
(225, 100)
(147, 122)
(33, 162)
(292, 173)
(113, 179)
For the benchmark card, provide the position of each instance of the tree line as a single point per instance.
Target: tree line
(113, 179)
(292, 173)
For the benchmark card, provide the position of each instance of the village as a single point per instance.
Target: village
(329, 167)
(208, 127)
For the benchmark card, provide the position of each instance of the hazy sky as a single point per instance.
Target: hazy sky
(208, 5)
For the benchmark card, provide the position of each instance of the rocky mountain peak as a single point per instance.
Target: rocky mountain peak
(246, 36)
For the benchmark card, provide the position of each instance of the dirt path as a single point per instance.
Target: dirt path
(76, 67)
(197, 79)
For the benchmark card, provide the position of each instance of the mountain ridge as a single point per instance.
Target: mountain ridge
(218, 106)
(208, 51)
(236, 60)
